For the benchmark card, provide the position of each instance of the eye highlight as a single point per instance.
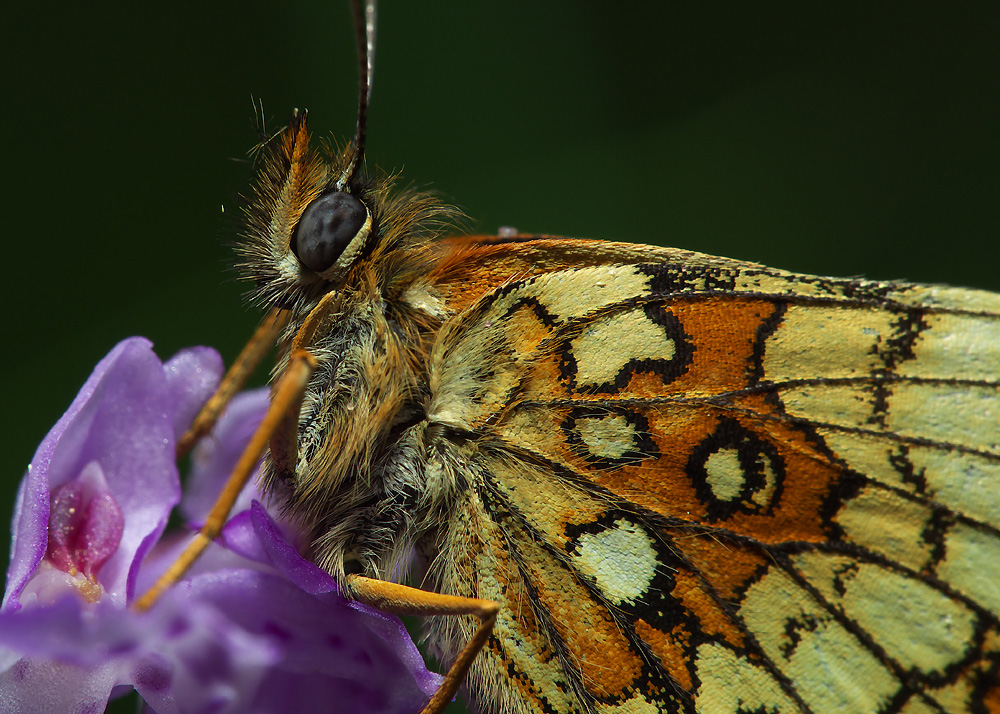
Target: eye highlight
(327, 227)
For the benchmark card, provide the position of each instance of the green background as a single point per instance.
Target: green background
(832, 138)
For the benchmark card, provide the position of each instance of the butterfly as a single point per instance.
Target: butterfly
(660, 480)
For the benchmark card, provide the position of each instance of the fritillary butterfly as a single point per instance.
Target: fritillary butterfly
(689, 483)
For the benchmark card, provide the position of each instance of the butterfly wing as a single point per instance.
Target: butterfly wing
(696, 484)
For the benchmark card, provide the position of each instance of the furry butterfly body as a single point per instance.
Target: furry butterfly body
(689, 483)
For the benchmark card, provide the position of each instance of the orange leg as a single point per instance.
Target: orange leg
(263, 339)
(404, 600)
(286, 399)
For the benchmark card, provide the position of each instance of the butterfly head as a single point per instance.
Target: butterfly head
(312, 217)
(317, 222)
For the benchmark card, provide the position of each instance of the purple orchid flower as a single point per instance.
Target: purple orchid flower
(253, 628)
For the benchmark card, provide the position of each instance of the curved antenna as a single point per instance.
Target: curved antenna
(364, 33)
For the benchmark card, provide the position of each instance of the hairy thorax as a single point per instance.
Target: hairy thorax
(360, 484)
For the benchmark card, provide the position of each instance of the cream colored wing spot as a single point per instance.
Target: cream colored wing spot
(964, 482)
(970, 563)
(955, 346)
(889, 524)
(718, 668)
(727, 476)
(967, 415)
(827, 342)
(844, 406)
(607, 437)
(606, 346)
(734, 470)
(621, 559)
(724, 474)
(801, 638)
(917, 625)
(608, 349)
(571, 294)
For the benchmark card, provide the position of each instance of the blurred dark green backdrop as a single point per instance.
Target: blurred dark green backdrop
(833, 138)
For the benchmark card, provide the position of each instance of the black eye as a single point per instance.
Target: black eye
(326, 228)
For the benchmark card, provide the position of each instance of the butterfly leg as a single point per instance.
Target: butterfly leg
(278, 426)
(257, 346)
(404, 600)
(286, 399)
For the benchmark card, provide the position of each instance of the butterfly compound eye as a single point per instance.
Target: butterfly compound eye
(327, 227)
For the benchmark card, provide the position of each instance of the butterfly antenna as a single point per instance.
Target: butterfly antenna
(364, 28)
